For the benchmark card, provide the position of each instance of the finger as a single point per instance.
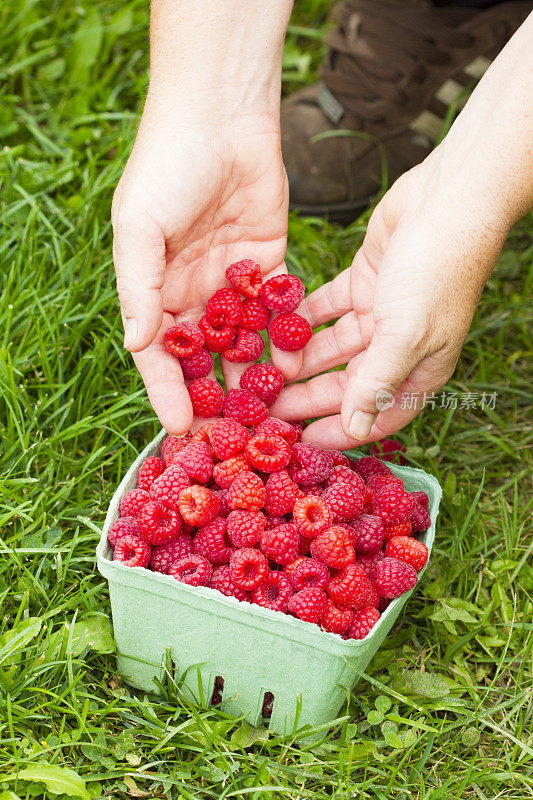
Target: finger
(330, 301)
(314, 398)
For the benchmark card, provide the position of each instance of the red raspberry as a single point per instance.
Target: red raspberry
(278, 427)
(255, 315)
(336, 620)
(273, 522)
(226, 471)
(210, 542)
(150, 469)
(340, 460)
(245, 527)
(309, 464)
(222, 582)
(373, 594)
(369, 533)
(314, 490)
(392, 504)
(157, 523)
(306, 572)
(311, 516)
(245, 407)
(281, 494)
(198, 505)
(248, 568)
(389, 450)
(132, 551)
(420, 519)
(298, 429)
(228, 438)
(377, 481)
(289, 332)
(264, 380)
(308, 604)
(283, 293)
(164, 555)
(349, 587)
(349, 530)
(247, 492)
(197, 366)
(246, 346)
(384, 603)
(267, 453)
(197, 461)
(369, 562)
(421, 499)
(304, 546)
(183, 339)
(407, 549)
(222, 495)
(280, 544)
(166, 489)
(344, 500)
(333, 548)
(369, 499)
(207, 397)
(274, 593)
(202, 434)
(401, 529)
(368, 465)
(192, 570)
(132, 502)
(172, 445)
(394, 577)
(343, 474)
(289, 569)
(123, 526)
(217, 337)
(362, 623)
(224, 306)
(245, 276)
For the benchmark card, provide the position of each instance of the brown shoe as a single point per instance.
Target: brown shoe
(393, 74)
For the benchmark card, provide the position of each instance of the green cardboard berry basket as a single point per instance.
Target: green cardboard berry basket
(254, 650)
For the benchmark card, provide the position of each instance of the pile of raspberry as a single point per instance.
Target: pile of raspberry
(244, 507)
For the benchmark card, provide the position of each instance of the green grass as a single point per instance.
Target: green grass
(73, 415)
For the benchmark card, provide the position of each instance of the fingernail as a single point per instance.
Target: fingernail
(130, 332)
(360, 424)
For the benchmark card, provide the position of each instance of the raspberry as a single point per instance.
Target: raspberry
(311, 516)
(228, 438)
(157, 523)
(336, 620)
(222, 582)
(349, 587)
(283, 293)
(333, 548)
(245, 407)
(192, 570)
(280, 544)
(267, 453)
(362, 623)
(421, 499)
(308, 604)
(264, 380)
(278, 427)
(132, 503)
(389, 450)
(210, 543)
(344, 500)
(245, 346)
(401, 529)
(340, 460)
(304, 546)
(202, 434)
(247, 492)
(273, 522)
(373, 594)
(245, 527)
(309, 464)
(224, 307)
(197, 461)
(245, 276)
(289, 569)
(222, 494)
(198, 505)
(409, 550)
(123, 526)
(248, 568)
(281, 494)
(132, 551)
(349, 530)
(226, 471)
(343, 474)
(307, 572)
(392, 504)
(164, 555)
(378, 481)
(166, 489)
(289, 332)
(369, 499)
(172, 445)
(298, 429)
(420, 519)
(368, 465)
(394, 577)
(183, 339)
(369, 533)
(314, 490)
(369, 562)
(255, 315)
(274, 593)
(197, 366)
(217, 337)
(150, 469)
(207, 397)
